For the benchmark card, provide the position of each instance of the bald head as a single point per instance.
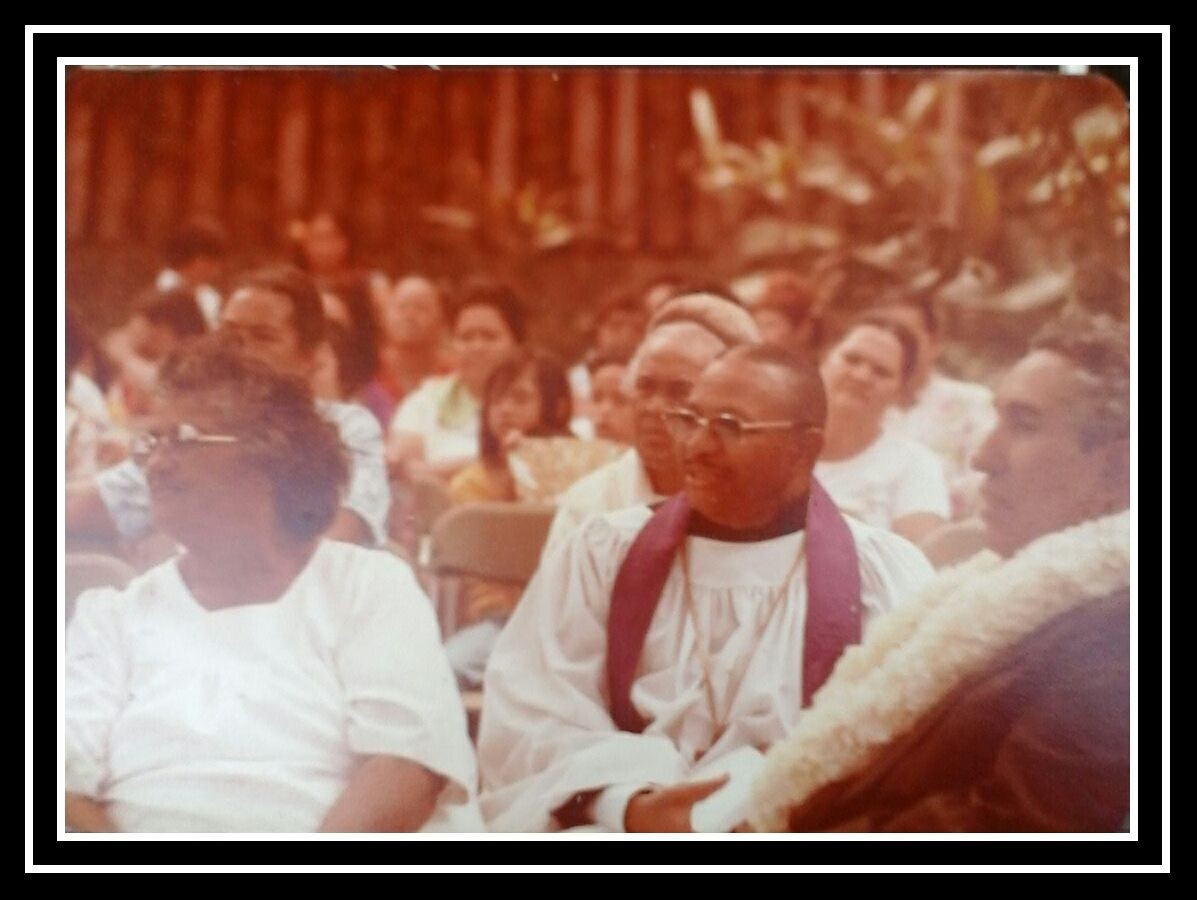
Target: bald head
(665, 369)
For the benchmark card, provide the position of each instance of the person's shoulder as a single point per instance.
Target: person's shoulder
(353, 420)
(964, 391)
(345, 561)
(603, 532)
(581, 493)
(589, 491)
(906, 449)
(875, 543)
(144, 592)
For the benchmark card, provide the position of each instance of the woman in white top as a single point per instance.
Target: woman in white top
(880, 478)
(264, 679)
(434, 433)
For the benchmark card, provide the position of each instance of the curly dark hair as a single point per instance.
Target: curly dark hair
(274, 416)
(307, 311)
(502, 299)
(1100, 347)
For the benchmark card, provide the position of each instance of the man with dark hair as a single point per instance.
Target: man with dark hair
(274, 315)
(655, 645)
(997, 700)
(195, 260)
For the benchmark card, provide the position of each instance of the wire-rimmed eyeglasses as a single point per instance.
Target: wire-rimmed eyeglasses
(685, 423)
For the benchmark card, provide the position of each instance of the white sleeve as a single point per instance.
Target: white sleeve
(892, 569)
(565, 522)
(400, 695)
(96, 684)
(126, 496)
(922, 487)
(546, 732)
(417, 413)
(369, 492)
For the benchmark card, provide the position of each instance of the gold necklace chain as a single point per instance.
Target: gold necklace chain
(719, 724)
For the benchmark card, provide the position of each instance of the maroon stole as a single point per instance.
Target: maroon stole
(832, 596)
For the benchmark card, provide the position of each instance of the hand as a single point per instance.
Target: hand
(668, 809)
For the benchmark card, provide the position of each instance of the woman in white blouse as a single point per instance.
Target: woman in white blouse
(264, 679)
(880, 478)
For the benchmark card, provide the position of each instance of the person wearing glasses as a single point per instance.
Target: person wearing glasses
(266, 679)
(658, 643)
(684, 336)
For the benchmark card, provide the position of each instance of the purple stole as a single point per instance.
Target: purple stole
(832, 596)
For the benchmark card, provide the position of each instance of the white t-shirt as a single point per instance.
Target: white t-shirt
(445, 415)
(250, 718)
(126, 494)
(952, 418)
(546, 731)
(891, 478)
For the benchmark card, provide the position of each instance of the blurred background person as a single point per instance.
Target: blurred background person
(161, 321)
(411, 348)
(785, 312)
(195, 262)
(434, 432)
(880, 478)
(322, 246)
(526, 396)
(611, 406)
(950, 416)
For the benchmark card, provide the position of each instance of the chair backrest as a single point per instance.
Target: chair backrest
(429, 501)
(91, 570)
(496, 541)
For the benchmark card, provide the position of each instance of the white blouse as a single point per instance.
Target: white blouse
(251, 718)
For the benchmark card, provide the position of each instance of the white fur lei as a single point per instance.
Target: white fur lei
(915, 655)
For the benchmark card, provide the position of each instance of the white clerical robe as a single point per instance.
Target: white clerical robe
(546, 730)
(621, 483)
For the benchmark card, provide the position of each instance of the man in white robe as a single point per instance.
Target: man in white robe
(722, 662)
(685, 336)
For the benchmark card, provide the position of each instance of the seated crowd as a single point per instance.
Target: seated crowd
(734, 622)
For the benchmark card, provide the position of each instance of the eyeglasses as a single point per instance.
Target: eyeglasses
(145, 443)
(684, 424)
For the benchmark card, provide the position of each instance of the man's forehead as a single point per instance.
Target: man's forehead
(745, 383)
(684, 349)
(1043, 380)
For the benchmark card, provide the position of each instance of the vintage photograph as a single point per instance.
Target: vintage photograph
(627, 448)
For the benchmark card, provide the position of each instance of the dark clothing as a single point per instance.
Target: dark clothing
(1039, 740)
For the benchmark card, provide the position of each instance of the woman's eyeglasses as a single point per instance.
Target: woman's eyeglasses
(145, 443)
